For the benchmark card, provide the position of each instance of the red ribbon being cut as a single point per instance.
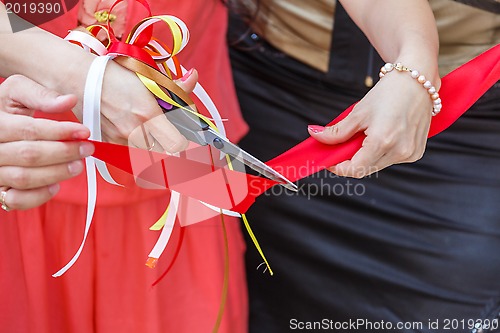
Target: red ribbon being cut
(237, 191)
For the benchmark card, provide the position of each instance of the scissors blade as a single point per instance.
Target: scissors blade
(196, 130)
(227, 147)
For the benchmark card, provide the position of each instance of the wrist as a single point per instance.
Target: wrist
(72, 75)
(426, 64)
(428, 85)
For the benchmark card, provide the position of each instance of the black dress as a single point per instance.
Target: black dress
(413, 248)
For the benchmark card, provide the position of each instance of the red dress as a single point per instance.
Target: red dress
(109, 289)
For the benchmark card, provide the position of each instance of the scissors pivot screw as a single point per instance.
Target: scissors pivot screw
(218, 143)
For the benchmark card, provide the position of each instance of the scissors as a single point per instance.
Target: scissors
(197, 130)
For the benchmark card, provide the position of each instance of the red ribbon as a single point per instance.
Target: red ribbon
(136, 49)
(237, 191)
(460, 90)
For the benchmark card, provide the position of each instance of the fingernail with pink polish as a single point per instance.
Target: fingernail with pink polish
(54, 188)
(81, 135)
(75, 168)
(316, 128)
(86, 149)
(187, 75)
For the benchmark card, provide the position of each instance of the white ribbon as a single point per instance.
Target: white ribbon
(88, 42)
(92, 120)
(168, 227)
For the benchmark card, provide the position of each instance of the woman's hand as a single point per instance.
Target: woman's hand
(32, 159)
(59, 65)
(131, 115)
(395, 116)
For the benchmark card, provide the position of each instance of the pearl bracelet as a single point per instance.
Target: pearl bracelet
(436, 101)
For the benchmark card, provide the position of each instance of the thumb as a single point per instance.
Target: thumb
(334, 134)
(61, 103)
(188, 81)
(26, 96)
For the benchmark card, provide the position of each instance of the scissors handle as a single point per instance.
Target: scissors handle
(188, 124)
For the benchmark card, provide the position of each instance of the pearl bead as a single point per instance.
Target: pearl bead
(436, 100)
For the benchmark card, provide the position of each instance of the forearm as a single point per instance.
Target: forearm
(403, 31)
(126, 104)
(43, 57)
